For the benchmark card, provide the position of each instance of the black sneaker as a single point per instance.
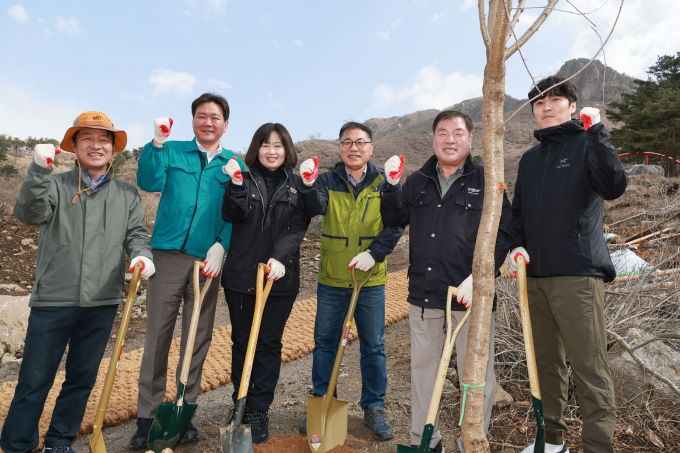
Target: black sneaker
(259, 425)
(375, 418)
(139, 438)
(190, 435)
(302, 429)
(58, 449)
(437, 448)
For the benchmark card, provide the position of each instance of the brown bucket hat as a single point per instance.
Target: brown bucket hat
(96, 120)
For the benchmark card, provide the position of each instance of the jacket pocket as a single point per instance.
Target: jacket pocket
(183, 167)
(46, 259)
(334, 243)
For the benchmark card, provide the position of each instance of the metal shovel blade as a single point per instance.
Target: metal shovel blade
(236, 439)
(169, 426)
(424, 446)
(325, 434)
(97, 442)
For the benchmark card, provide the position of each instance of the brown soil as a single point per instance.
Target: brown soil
(296, 444)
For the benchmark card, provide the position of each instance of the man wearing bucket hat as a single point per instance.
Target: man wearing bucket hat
(88, 220)
(189, 227)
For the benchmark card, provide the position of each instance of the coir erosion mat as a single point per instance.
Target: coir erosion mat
(298, 341)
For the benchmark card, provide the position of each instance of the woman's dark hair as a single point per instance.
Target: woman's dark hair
(211, 97)
(567, 89)
(262, 135)
(352, 125)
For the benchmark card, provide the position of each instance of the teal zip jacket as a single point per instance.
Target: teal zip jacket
(189, 216)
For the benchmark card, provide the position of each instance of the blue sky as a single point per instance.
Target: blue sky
(310, 65)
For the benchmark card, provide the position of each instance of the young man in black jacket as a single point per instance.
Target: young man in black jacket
(562, 183)
(443, 204)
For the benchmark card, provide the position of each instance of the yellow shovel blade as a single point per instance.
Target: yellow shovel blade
(97, 442)
(325, 434)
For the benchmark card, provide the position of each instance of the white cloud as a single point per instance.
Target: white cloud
(137, 135)
(385, 36)
(166, 80)
(297, 42)
(431, 90)
(18, 13)
(396, 23)
(216, 6)
(467, 4)
(436, 17)
(218, 83)
(70, 25)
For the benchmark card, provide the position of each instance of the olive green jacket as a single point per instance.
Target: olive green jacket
(81, 249)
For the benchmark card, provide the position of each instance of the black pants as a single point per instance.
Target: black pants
(267, 362)
(50, 329)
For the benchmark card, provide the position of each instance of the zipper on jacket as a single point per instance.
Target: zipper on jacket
(198, 192)
(265, 210)
(540, 204)
(368, 201)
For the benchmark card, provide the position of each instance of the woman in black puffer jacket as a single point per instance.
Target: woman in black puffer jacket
(268, 227)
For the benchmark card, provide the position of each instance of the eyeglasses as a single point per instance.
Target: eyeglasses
(347, 144)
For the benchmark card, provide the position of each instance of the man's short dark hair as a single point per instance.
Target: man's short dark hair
(352, 125)
(567, 89)
(211, 97)
(448, 114)
(262, 135)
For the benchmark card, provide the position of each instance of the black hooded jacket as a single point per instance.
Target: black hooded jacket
(263, 229)
(443, 230)
(557, 209)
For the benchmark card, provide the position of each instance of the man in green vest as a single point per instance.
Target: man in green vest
(353, 235)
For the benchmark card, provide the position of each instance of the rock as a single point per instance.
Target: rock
(12, 287)
(26, 241)
(641, 169)
(141, 299)
(502, 399)
(315, 225)
(14, 313)
(635, 384)
(6, 357)
(448, 386)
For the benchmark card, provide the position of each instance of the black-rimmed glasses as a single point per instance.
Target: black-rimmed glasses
(347, 144)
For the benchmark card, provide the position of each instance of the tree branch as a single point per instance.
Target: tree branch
(515, 18)
(630, 351)
(577, 73)
(482, 25)
(533, 29)
(512, 32)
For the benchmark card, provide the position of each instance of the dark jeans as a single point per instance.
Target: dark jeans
(331, 308)
(267, 361)
(50, 329)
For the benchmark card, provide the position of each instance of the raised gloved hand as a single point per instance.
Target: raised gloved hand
(465, 292)
(512, 259)
(148, 269)
(363, 262)
(161, 129)
(277, 271)
(43, 154)
(590, 116)
(233, 169)
(213, 261)
(309, 170)
(394, 168)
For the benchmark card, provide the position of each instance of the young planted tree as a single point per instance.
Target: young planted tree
(497, 29)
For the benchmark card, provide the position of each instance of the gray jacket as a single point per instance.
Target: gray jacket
(80, 251)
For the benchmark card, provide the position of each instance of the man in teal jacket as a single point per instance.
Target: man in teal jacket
(88, 220)
(188, 227)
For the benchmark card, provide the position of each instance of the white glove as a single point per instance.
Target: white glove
(148, 269)
(590, 116)
(213, 261)
(234, 171)
(309, 170)
(465, 292)
(161, 129)
(363, 262)
(512, 259)
(43, 155)
(394, 168)
(277, 271)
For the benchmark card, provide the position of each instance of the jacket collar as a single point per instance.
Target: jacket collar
(429, 169)
(559, 132)
(372, 170)
(85, 177)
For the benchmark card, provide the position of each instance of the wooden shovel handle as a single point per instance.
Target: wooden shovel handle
(526, 327)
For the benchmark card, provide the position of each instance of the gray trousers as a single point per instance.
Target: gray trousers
(172, 283)
(428, 332)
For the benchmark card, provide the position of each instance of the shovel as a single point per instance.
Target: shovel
(326, 416)
(172, 419)
(539, 445)
(450, 341)
(237, 438)
(97, 439)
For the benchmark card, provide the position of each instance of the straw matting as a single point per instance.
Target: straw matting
(298, 341)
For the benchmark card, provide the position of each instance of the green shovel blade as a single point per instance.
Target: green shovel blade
(424, 446)
(169, 426)
(539, 445)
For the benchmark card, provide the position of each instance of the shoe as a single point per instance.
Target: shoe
(190, 435)
(259, 425)
(58, 449)
(375, 418)
(139, 438)
(437, 449)
(302, 429)
(549, 448)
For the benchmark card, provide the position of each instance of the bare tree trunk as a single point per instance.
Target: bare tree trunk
(483, 266)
